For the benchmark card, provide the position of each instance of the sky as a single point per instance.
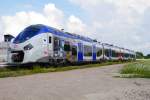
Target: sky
(124, 23)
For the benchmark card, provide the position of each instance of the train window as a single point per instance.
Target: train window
(50, 39)
(56, 44)
(87, 50)
(28, 33)
(107, 52)
(126, 55)
(99, 52)
(74, 51)
(114, 53)
(80, 47)
(67, 46)
(133, 56)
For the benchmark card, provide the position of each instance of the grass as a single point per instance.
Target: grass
(139, 69)
(21, 71)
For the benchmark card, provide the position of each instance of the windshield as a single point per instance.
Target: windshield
(26, 34)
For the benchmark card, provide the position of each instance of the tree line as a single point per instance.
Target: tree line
(140, 55)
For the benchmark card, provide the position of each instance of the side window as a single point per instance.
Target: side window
(74, 51)
(126, 54)
(87, 50)
(67, 46)
(99, 51)
(113, 53)
(50, 39)
(80, 47)
(106, 52)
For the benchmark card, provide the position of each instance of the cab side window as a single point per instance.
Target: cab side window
(50, 39)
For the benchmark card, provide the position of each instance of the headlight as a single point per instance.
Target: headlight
(28, 47)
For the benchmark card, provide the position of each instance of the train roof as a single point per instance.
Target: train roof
(45, 28)
(107, 44)
(55, 31)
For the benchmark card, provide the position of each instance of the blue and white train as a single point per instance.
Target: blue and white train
(44, 44)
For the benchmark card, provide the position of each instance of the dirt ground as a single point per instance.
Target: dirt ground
(82, 84)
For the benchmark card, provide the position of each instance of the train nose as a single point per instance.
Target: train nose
(17, 56)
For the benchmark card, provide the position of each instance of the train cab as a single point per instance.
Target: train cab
(31, 45)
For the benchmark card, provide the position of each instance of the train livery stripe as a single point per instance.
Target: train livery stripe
(80, 52)
(94, 53)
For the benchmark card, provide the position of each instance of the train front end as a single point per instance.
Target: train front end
(28, 45)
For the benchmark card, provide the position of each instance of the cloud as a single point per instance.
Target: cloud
(121, 22)
(51, 16)
(138, 5)
(75, 25)
(54, 15)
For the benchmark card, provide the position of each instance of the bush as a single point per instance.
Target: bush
(139, 69)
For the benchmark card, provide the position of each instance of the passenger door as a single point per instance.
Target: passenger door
(50, 44)
(74, 53)
(58, 46)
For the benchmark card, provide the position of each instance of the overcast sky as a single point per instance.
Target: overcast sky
(125, 23)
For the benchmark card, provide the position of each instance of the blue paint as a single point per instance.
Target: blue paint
(80, 52)
(94, 56)
(94, 53)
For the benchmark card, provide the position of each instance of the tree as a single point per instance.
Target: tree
(139, 55)
(147, 56)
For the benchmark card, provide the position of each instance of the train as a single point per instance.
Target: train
(44, 44)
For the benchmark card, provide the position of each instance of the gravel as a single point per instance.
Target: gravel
(82, 84)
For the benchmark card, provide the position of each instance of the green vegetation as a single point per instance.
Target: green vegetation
(139, 69)
(139, 55)
(20, 71)
(147, 56)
